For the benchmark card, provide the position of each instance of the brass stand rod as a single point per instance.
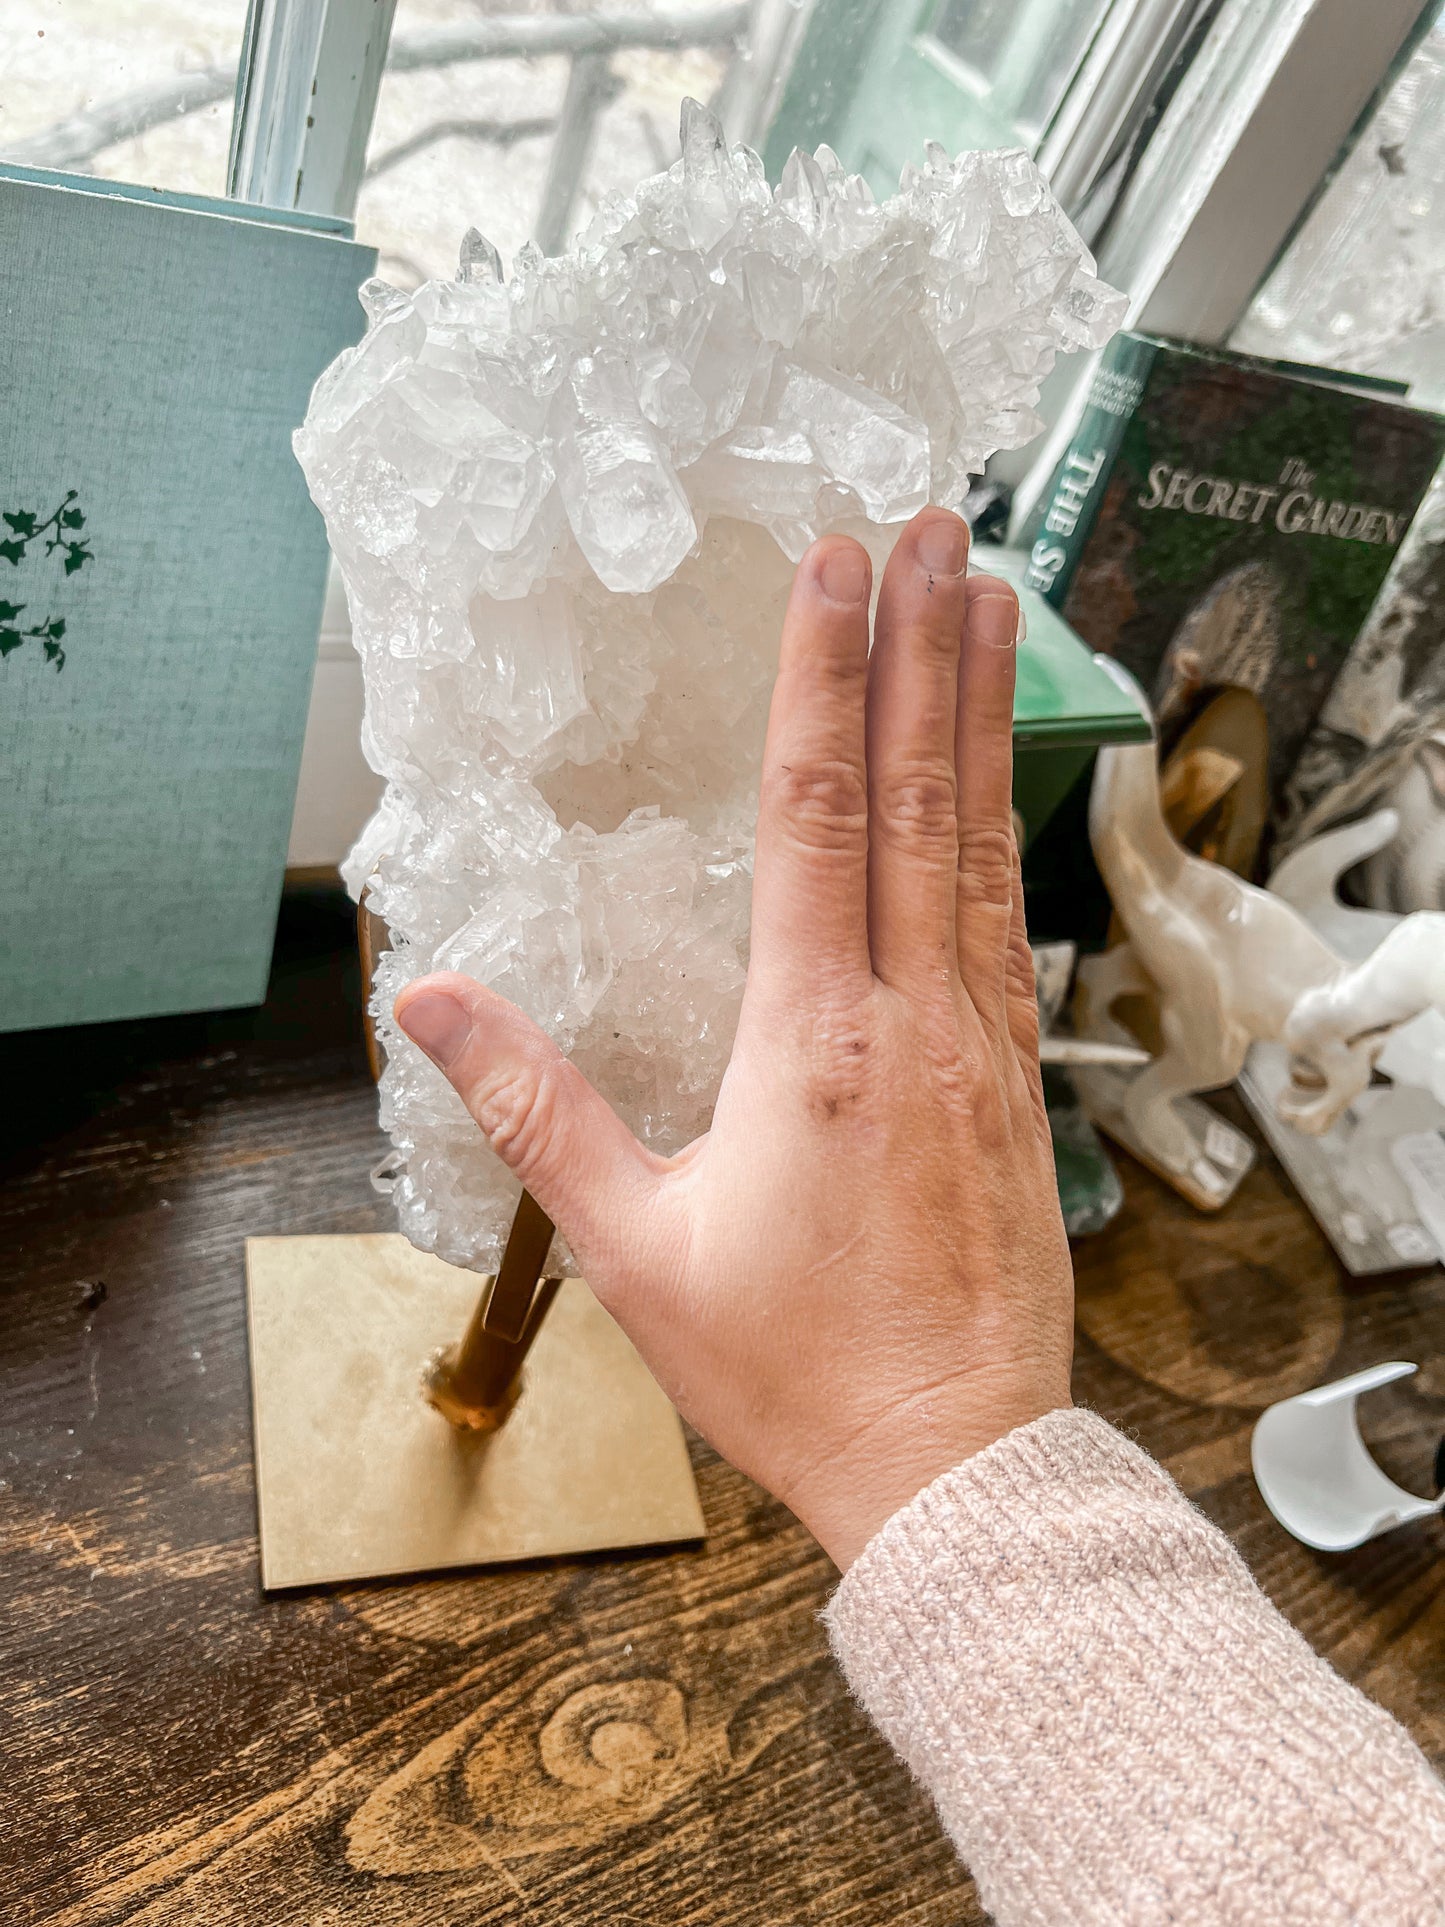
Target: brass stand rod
(476, 1384)
(510, 1299)
(372, 938)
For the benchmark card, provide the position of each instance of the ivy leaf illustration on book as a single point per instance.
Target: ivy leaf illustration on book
(47, 634)
(25, 527)
(61, 532)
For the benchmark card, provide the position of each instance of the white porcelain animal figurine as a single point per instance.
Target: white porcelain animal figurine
(1228, 964)
(1308, 878)
(1409, 872)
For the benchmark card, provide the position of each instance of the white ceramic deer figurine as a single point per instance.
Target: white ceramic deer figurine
(1228, 964)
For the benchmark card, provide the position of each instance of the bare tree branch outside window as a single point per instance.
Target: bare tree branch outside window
(78, 139)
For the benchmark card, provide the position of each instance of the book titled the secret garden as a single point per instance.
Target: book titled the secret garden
(1223, 525)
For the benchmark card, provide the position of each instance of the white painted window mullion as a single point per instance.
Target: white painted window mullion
(305, 97)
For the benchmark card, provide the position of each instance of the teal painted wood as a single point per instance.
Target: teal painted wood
(153, 360)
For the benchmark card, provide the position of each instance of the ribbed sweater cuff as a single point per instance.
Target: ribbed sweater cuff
(1114, 1722)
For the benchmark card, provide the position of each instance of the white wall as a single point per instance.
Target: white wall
(337, 792)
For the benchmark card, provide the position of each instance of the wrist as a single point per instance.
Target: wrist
(846, 1502)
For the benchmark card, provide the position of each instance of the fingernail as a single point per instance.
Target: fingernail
(942, 546)
(844, 575)
(439, 1023)
(994, 621)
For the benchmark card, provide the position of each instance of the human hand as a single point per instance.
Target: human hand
(859, 1276)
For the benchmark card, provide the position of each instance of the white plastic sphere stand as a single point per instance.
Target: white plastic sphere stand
(1317, 1477)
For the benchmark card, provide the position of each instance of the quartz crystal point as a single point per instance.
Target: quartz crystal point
(566, 507)
(479, 259)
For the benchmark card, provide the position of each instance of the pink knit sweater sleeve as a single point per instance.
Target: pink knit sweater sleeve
(1116, 1725)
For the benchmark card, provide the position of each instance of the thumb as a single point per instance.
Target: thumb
(535, 1108)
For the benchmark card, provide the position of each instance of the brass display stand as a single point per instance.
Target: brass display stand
(382, 1448)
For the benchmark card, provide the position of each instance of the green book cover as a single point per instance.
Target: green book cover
(161, 579)
(1221, 523)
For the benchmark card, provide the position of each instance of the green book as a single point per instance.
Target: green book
(161, 579)
(1225, 523)
(1065, 706)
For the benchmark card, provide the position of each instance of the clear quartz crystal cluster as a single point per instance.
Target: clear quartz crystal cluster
(566, 508)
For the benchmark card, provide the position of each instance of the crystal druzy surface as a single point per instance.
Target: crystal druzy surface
(566, 506)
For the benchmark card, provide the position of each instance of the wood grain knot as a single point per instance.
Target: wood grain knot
(617, 1739)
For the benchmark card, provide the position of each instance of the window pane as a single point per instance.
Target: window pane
(132, 90)
(1362, 286)
(463, 141)
(878, 80)
(1023, 52)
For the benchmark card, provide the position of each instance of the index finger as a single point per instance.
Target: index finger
(811, 874)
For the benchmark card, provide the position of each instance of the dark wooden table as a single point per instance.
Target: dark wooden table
(178, 1749)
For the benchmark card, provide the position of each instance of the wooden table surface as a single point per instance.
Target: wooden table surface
(179, 1749)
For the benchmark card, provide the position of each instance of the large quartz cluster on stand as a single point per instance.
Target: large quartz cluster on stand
(566, 507)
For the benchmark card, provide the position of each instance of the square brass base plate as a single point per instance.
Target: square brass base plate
(357, 1477)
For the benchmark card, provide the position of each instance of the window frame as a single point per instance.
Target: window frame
(1113, 85)
(1322, 79)
(1192, 243)
(311, 69)
(306, 91)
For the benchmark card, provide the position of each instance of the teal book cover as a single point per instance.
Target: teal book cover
(162, 572)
